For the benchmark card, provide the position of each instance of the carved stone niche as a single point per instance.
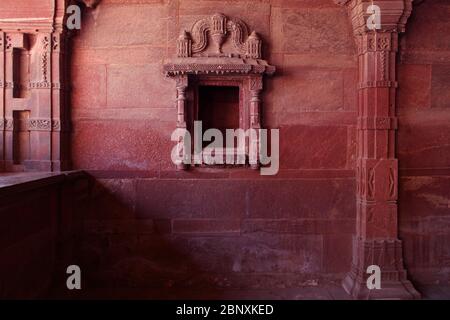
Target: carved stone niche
(219, 74)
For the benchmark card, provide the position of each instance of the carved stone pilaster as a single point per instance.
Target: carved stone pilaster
(182, 84)
(35, 67)
(256, 86)
(181, 105)
(376, 241)
(184, 45)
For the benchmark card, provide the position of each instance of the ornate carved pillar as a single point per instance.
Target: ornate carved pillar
(376, 241)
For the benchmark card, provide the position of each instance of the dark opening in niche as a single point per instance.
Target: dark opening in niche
(21, 72)
(218, 108)
(21, 136)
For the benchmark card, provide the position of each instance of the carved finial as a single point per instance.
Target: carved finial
(254, 36)
(184, 35)
(218, 31)
(184, 45)
(254, 45)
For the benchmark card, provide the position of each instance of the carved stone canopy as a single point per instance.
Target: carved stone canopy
(218, 45)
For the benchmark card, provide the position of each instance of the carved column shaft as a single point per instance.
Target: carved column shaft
(376, 165)
(256, 86)
(8, 93)
(182, 84)
(376, 241)
(181, 106)
(255, 107)
(59, 112)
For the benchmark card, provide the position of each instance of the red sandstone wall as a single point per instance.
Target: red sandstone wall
(149, 225)
(159, 227)
(423, 141)
(225, 227)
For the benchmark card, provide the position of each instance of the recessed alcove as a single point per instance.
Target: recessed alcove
(21, 137)
(21, 72)
(218, 107)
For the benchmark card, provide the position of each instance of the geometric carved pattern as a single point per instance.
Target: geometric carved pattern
(256, 83)
(6, 84)
(224, 68)
(33, 125)
(7, 124)
(378, 123)
(44, 61)
(40, 124)
(44, 125)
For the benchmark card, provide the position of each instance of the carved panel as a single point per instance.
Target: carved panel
(9, 124)
(44, 125)
(216, 29)
(256, 83)
(40, 124)
(213, 32)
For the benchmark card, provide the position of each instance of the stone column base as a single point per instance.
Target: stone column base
(387, 254)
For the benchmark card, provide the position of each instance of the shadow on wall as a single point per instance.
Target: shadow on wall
(171, 238)
(176, 238)
(124, 256)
